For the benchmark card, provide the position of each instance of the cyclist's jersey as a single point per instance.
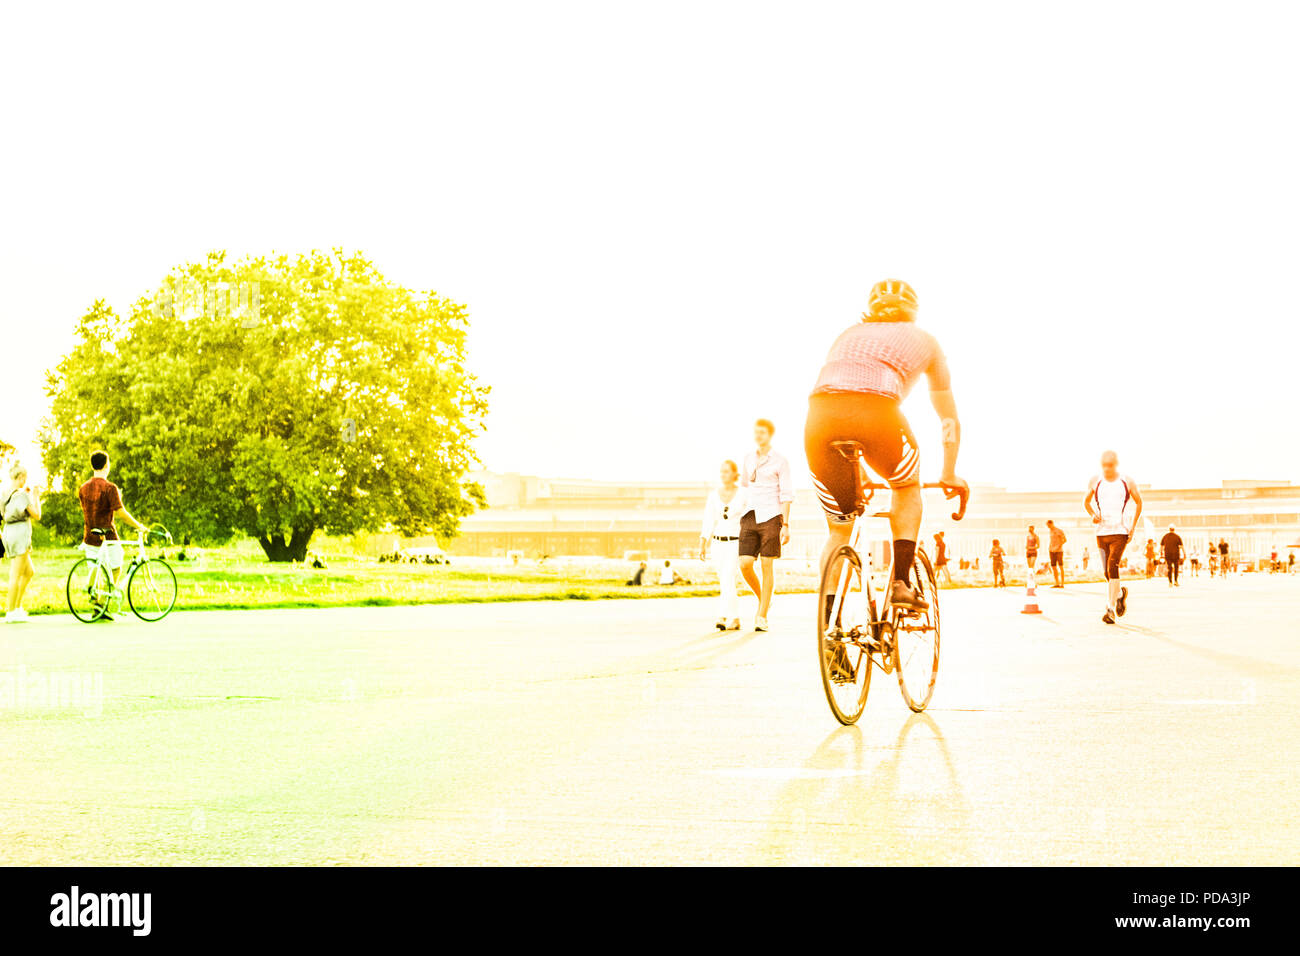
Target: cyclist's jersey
(883, 358)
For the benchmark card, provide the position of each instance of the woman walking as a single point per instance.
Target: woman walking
(721, 534)
(19, 507)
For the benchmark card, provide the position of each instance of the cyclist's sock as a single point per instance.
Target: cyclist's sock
(904, 555)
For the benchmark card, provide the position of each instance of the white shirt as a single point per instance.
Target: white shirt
(1108, 499)
(769, 482)
(666, 575)
(722, 518)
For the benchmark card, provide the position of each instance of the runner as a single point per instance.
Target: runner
(766, 525)
(1056, 554)
(1107, 502)
(869, 370)
(996, 555)
(941, 557)
(1172, 545)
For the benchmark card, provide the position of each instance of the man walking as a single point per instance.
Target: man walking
(766, 525)
(1107, 503)
(941, 558)
(1172, 545)
(101, 503)
(1056, 554)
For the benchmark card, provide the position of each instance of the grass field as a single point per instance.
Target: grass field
(238, 578)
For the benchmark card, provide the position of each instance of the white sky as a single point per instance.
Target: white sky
(661, 219)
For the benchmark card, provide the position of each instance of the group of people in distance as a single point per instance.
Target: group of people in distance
(869, 370)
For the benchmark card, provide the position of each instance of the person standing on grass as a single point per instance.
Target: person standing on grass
(19, 507)
(720, 536)
(996, 556)
(1172, 545)
(101, 505)
(1056, 554)
(1107, 503)
(765, 527)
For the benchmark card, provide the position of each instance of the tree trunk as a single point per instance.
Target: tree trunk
(295, 549)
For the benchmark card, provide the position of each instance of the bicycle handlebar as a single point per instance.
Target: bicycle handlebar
(948, 492)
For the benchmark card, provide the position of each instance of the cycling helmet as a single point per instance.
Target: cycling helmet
(892, 299)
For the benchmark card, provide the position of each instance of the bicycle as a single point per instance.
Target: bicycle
(150, 583)
(854, 634)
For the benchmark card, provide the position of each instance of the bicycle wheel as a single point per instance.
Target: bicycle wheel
(846, 621)
(151, 589)
(89, 588)
(916, 639)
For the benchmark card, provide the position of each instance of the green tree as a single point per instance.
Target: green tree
(277, 396)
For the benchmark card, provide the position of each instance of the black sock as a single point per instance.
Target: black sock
(904, 554)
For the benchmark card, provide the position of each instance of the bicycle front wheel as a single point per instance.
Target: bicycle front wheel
(89, 589)
(845, 626)
(151, 589)
(916, 639)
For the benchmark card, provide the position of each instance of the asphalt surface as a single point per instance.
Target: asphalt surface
(630, 732)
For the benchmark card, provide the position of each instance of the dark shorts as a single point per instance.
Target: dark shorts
(1057, 558)
(1031, 557)
(873, 421)
(760, 540)
(1112, 549)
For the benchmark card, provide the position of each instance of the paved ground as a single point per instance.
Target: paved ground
(626, 732)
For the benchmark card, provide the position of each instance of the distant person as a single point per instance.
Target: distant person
(1195, 565)
(996, 555)
(1223, 557)
(1272, 562)
(720, 536)
(1213, 562)
(101, 505)
(1290, 563)
(19, 507)
(1031, 550)
(941, 557)
(1085, 560)
(669, 575)
(1108, 497)
(1172, 546)
(765, 527)
(1151, 557)
(638, 577)
(1056, 554)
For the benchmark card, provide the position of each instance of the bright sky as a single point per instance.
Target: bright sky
(660, 216)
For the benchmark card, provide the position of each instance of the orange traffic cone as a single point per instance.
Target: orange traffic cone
(1031, 597)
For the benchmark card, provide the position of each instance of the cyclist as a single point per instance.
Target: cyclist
(869, 371)
(101, 504)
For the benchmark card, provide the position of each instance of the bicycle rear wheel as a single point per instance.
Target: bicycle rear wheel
(916, 639)
(89, 589)
(151, 589)
(845, 623)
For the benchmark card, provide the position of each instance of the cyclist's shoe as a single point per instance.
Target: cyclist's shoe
(838, 659)
(734, 625)
(901, 595)
(1108, 618)
(1121, 605)
(720, 624)
(760, 624)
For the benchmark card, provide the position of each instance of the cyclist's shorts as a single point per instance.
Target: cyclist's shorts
(112, 556)
(876, 423)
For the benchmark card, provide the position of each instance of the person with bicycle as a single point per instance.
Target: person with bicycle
(868, 372)
(101, 505)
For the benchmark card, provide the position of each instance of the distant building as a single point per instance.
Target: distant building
(609, 518)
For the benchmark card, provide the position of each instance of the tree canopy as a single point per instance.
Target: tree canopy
(277, 396)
